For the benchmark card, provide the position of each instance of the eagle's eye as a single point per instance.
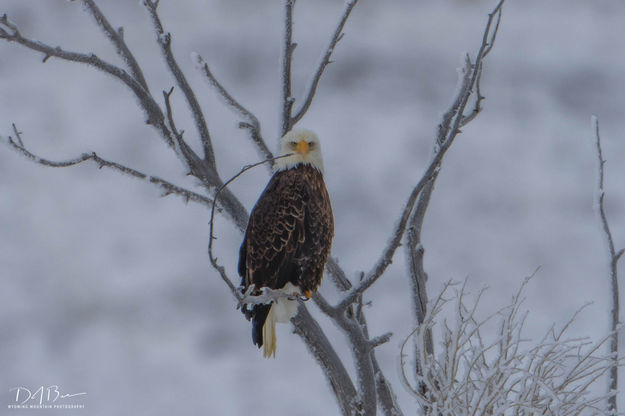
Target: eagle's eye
(292, 145)
(311, 145)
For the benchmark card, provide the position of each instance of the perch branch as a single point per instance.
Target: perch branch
(332, 365)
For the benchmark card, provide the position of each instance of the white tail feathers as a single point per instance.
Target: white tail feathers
(269, 334)
(281, 311)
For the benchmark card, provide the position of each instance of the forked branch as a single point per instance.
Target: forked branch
(164, 41)
(289, 120)
(325, 61)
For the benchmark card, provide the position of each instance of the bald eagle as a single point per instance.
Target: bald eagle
(288, 236)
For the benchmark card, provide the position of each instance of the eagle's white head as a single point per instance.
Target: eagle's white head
(305, 148)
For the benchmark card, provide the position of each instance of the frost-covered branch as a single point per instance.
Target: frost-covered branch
(415, 250)
(197, 167)
(10, 32)
(167, 187)
(613, 257)
(288, 46)
(164, 41)
(449, 128)
(250, 123)
(486, 366)
(325, 61)
(329, 361)
(117, 37)
(287, 56)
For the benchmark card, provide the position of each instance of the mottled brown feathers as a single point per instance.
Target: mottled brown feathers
(288, 236)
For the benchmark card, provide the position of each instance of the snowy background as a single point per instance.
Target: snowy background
(106, 286)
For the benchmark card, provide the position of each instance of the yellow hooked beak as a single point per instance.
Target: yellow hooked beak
(302, 148)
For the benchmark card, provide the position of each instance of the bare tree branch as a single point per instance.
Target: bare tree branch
(325, 60)
(154, 113)
(167, 187)
(325, 355)
(354, 326)
(170, 117)
(116, 36)
(386, 396)
(448, 130)
(164, 41)
(251, 123)
(287, 55)
(414, 247)
(613, 257)
(337, 274)
(361, 351)
(201, 169)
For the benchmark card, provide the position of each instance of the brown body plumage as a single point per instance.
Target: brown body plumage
(288, 240)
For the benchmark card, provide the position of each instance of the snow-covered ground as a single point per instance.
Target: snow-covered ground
(106, 286)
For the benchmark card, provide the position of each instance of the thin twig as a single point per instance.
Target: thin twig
(381, 339)
(170, 115)
(211, 238)
(613, 274)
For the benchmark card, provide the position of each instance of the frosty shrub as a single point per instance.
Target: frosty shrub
(486, 366)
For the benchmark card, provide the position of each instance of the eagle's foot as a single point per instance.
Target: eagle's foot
(307, 295)
(303, 297)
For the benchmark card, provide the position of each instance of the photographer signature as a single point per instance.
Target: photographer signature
(43, 394)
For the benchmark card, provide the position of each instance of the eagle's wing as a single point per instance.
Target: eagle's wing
(319, 229)
(275, 231)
